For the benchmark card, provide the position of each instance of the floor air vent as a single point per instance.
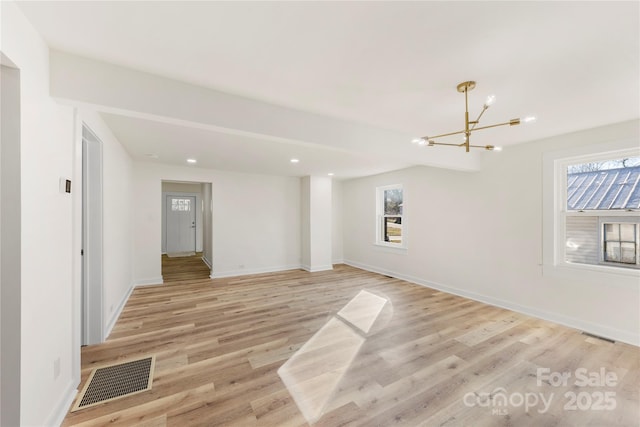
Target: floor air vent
(116, 381)
(599, 337)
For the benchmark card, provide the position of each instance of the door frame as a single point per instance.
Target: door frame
(91, 293)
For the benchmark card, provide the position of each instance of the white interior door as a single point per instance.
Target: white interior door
(181, 224)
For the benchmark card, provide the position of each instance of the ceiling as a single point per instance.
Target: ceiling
(391, 66)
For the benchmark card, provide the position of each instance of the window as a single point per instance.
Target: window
(180, 205)
(601, 216)
(390, 224)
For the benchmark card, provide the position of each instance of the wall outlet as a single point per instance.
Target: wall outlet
(56, 368)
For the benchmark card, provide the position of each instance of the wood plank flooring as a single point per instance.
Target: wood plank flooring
(283, 349)
(176, 269)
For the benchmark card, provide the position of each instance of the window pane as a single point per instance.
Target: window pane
(628, 232)
(393, 230)
(393, 202)
(612, 232)
(612, 251)
(628, 252)
(604, 185)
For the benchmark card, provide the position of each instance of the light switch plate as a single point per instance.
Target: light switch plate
(65, 185)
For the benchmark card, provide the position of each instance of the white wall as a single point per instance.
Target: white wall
(47, 153)
(181, 187)
(479, 234)
(256, 220)
(117, 175)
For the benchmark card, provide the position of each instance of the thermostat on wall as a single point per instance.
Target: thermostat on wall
(65, 185)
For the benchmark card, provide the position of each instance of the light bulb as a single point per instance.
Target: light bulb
(419, 141)
(529, 119)
(490, 100)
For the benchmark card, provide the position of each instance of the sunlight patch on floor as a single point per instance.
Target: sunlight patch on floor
(313, 373)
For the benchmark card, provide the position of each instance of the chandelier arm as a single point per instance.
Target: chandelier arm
(510, 122)
(444, 134)
(485, 107)
(446, 143)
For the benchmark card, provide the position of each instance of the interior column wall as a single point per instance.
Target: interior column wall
(207, 223)
(316, 214)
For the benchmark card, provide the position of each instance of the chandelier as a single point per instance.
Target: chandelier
(470, 125)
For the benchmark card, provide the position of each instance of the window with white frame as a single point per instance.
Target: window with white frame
(390, 211)
(600, 211)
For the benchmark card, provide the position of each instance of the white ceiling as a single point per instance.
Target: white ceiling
(389, 65)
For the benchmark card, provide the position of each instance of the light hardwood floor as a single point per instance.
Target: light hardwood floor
(349, 347)
(184, 268)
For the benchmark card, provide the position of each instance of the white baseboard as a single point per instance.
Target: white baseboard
(151, 281)
(245, 272)
(116, 313)
(337, 261)
(62, 408)
(572, 322)
(317, 268)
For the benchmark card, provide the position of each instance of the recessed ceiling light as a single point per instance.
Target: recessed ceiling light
(152, 155)
(294, 160)
(330, 174)
(192, 161)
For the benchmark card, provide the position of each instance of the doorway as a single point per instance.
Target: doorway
(186, 230)
(91, 289)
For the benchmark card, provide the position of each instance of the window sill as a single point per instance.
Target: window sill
(629, 277)
(387, 247)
